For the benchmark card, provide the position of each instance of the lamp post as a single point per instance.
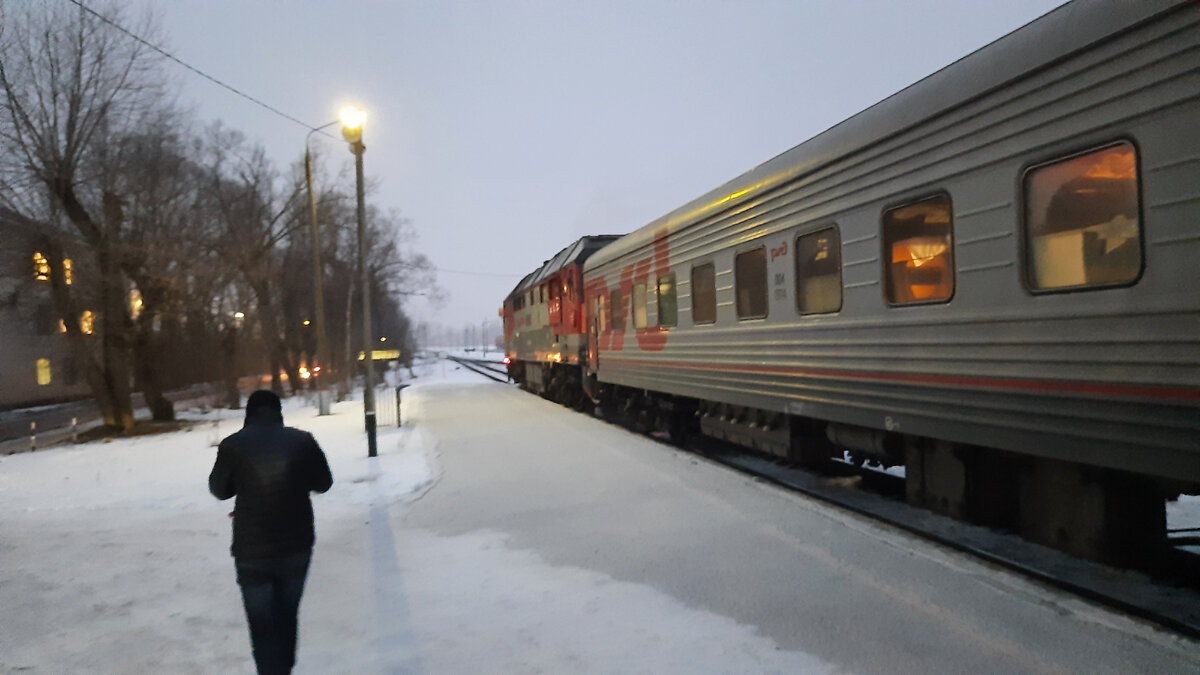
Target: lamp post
(352, 122)
(318, 272)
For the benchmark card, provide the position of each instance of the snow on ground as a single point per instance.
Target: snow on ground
(114, 559)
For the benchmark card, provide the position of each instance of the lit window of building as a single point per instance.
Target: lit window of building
(135, 303)
(68, 274)
(62, 326)
(41, 267)
(43, 372)
(87, 322)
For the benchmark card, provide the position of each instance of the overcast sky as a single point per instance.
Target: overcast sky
(506, 129)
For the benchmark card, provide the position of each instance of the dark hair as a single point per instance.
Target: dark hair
(264, 407)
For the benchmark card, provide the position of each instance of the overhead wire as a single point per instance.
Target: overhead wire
(192, 68)
(246, 96)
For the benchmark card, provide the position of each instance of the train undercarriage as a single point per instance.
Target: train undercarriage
(1091, 512)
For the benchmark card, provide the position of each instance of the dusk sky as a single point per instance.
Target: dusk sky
(507, 129)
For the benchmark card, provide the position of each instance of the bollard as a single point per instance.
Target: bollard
(74, 429)
(399, 396)
(32, 436)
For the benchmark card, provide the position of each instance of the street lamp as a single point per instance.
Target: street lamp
(352, 122)
(318, 273)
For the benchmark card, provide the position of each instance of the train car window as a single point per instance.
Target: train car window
(668, 304)
(750, 279)
(819, 272)
(1082, 223)
(704, 294)
(618, 311)
(639, 305)
(919, 248)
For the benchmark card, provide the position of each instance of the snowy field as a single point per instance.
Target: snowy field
(114, 559)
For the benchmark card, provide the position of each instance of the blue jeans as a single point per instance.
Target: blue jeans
(271, 590)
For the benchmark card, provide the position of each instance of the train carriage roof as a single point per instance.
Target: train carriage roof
(1046, 40)
(576, 253)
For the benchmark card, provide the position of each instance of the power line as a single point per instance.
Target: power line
(478, 274)
(195, 70)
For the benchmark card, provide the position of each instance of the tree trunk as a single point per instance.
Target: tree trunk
(271, 335)
(146, 364)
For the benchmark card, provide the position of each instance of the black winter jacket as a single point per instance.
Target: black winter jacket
(271, 468)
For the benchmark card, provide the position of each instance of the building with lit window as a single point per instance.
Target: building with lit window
(36, 363)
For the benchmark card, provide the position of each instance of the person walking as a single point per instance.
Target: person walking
(271, 469)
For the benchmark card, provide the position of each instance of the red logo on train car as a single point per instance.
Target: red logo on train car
(650, 338)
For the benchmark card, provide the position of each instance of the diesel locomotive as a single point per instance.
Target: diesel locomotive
(991, 278)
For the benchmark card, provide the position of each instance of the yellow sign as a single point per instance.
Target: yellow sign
(382, 355)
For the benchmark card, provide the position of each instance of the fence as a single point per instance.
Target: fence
(388, 400)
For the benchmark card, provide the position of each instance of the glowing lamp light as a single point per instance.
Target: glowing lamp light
(506, 361)
(352, 117)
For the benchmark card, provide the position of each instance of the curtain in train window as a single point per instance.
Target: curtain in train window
(1082, 223)
(639, 306)
(601, 314)
(819, 272)
(704, 294)
(918, 243)
(750, 280)
(668, 307)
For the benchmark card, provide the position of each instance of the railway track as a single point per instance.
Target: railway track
(489, 369)
(1170, 598)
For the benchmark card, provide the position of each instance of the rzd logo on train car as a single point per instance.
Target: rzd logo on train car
(650, 338)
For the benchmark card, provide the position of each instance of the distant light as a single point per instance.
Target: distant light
(383, 339)
(353, 117)
(507, 361)
(316, 369)
(239, 315)
(306, 322)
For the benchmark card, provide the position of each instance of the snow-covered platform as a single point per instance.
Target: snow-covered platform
(499, 533)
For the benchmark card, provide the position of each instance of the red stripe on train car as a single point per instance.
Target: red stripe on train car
(1180, 393)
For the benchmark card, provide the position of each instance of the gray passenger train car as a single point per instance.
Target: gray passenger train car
(992, 276)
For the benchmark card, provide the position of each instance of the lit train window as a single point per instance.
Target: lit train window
(919, 249)
(704, 294)
(750, 279)
(819, 272)
(668, 305)
(1082, 224)
(639, 306)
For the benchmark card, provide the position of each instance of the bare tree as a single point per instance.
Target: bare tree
(256, 216)
(72, 88)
